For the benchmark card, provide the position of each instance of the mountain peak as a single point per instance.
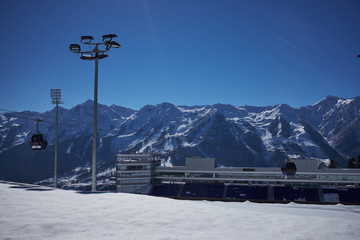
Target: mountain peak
(332, 97)
(329, 99)
(89, 101)
(284, 107)
(166, 105)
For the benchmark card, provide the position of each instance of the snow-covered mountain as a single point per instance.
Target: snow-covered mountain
(236, 136)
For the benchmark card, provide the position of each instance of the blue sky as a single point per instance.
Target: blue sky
(187, 52)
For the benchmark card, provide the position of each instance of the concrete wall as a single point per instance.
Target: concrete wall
(203, 164)
(306, 165)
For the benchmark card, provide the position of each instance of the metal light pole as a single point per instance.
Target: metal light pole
(56, 99)
(93, 174)
(96, 53)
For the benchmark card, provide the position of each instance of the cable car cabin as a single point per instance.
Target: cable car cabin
(288, 169)
(38, 142)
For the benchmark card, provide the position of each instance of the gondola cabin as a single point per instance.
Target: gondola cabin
(288, 169)
(38, 142)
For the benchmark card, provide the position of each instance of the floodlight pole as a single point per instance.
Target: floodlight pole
(94, 153)
(96, 53)
(56, 99)
(56, 146)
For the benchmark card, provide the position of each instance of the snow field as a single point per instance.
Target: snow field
(45, 213)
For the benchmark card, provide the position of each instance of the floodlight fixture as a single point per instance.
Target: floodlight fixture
(75, 47)
(86, 57)
(113, 44)
(86, 39)
(101, 56)
(96, 53)
(108, 37)
(55, 96)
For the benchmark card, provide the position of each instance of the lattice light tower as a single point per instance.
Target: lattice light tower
(56, 99)
(97, 51)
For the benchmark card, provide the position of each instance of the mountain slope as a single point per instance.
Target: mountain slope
(236, 136)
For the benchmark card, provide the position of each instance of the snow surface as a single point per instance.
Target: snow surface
(31, 212)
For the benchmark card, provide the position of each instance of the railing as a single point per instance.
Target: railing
(267, 177)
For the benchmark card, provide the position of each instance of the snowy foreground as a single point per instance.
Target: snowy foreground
(43, 213)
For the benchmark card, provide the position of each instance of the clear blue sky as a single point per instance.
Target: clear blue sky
(187, 52)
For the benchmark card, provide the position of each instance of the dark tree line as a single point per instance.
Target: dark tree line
(332, 164)
(353, 163)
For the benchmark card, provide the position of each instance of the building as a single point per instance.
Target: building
(201, 178)
(205, 170)
(135, 171)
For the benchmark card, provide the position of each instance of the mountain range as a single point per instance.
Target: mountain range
(236, 136)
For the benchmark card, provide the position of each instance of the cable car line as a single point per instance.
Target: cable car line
(33, 119)
(40, 115)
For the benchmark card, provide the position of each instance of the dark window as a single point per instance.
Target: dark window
(134, 167)
(248, 169)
